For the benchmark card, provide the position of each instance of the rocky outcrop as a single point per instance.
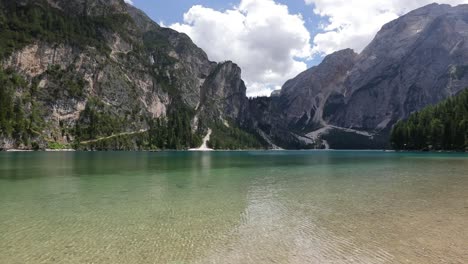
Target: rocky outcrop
(223, 93)
(411, 63)
(129, 73)
(416, 60)
(103, 71)
(303, 98)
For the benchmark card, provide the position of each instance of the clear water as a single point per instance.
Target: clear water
(233, 207)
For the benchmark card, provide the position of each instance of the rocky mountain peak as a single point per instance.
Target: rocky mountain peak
(303, 97)
(225, 91)
(413, 61)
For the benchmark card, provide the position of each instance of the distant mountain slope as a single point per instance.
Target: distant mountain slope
(102, 75)
(440, 127)
(353, 100)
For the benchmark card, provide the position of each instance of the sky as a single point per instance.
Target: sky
(274, 40)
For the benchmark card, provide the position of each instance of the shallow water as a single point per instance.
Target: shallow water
(234, 207)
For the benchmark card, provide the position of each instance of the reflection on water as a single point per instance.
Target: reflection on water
(233, 207)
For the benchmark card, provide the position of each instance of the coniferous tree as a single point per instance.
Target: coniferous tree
(440, 127)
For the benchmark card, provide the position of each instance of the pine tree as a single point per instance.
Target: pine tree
(444, 126)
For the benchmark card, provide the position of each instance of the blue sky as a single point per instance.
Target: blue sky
(170, 12)
(275, 40)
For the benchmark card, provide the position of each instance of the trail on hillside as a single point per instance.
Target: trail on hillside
(113, 136)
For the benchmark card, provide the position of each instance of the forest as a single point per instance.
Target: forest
(20, 116)
(440, 127)
(24, 118)
(233, 138)
(20, 25)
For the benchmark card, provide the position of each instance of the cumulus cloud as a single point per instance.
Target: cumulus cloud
(129, 2)
(263, 37)
(354, 23)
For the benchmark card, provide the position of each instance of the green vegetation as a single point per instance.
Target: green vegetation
(97, 121)
(14, 123)
(233, 138)
(440, 127)
(7, 120)
(62, 84)
(21, 24)
(57, 146)
(98, 128)
(124, 142)
(27, 107)
(157, 41)
(174, 132)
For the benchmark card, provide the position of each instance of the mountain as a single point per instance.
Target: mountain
(352, 100)
(102, 75)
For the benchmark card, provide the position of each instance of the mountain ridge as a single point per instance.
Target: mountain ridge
(101, 75)
(412, 62)
(107, 77)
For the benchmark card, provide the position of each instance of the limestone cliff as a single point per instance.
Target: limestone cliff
(352, 100)
(102, 75)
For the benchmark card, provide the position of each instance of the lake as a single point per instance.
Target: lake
(234, 207)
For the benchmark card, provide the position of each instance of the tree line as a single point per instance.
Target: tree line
(21, 24)
(440, 127)
(20, 116)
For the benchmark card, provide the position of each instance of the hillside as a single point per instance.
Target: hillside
(352, 100)
(102, 75)
(440, 127)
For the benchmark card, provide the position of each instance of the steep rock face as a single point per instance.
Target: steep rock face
(416, 60)
(413, 61)
(223, 93)
(285, 119)
(174, 57)
(303, 98)
(115, 82)
(126, 92)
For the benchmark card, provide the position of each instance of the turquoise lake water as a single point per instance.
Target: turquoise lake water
(234, 207)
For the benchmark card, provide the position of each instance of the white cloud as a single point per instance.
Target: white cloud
(354, 23)
(261, 36)
(129, 2)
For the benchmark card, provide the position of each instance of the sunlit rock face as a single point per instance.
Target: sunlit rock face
(416, 60)
(137, 70)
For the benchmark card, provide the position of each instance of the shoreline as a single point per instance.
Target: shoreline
(234, 150)
(32, 150)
